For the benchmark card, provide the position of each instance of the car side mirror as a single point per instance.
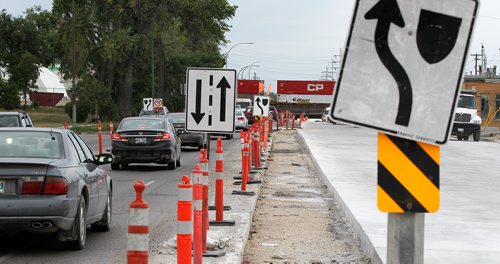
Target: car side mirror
(104, 158)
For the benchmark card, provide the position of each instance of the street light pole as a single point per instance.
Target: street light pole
(250, 68)
(237, 44)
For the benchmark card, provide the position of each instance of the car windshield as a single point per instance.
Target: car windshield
(467, 102)
(30, 144)
(141, 124)
(243, 104)
(177, 117)
(9, 121)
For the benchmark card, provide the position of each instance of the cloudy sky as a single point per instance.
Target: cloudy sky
(297, 39)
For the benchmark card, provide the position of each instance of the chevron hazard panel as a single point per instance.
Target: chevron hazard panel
(408, 175)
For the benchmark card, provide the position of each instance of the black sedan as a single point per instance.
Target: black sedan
(193, 139)
(146, 139)
(50, 181)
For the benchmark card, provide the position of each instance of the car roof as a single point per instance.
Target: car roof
(32, 129)
(13, 113)
(144, 117)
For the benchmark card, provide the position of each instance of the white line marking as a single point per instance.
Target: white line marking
(151, 182)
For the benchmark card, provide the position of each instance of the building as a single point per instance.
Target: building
(486, 88)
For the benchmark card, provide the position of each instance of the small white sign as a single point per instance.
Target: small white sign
(210, 100)
(402, 70)
(148, 104)
(261, 105)
(158, 103)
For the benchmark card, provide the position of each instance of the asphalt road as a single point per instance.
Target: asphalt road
(110, 247)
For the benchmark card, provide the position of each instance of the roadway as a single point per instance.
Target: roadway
(464, 230)
(110, 247)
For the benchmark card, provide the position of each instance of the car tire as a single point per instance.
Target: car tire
(80, 227)
(477, 135)
(104, 225)
(178, 162)
(115, 166)
(172, 165)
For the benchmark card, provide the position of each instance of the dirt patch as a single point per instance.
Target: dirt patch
(296, 220)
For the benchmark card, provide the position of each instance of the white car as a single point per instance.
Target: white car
(241, 122)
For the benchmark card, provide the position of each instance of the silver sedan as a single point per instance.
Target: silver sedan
(50, 181)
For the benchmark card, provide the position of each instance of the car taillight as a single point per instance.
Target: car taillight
(118, 137)
(53, 185)
(241, 118)
(33, 185)
(163, 137)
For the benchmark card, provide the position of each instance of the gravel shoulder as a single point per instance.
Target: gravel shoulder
(296, 220)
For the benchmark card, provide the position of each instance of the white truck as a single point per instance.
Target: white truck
(467, 122)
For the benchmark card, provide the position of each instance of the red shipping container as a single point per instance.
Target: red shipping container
(250, 86)
(306, 87)
(46, 99)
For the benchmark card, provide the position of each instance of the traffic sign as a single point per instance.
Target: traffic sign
(402, 70)
(408, 175)
(158, 103)
(261, 105)
(210, 100)
(148, 104)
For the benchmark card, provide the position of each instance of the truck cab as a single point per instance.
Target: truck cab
(467, 121)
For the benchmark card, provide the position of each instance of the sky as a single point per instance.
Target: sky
(297, 39)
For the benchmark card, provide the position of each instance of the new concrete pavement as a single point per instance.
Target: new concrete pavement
(466, 229)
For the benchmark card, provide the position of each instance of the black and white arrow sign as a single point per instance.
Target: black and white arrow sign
(402, 70)
(210, 100)
(261, 106)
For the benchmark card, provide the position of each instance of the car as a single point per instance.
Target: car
(193, 139)
(241, 122)
(15, 119)
(145, 139)
(160, 112)
(325, 114)
(50, 181)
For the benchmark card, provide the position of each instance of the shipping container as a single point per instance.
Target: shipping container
(251, 87)
(306, 87)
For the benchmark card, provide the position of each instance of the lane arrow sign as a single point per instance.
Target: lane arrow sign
(198, 115)
(387, 12)
(258, 104)
(223, 85)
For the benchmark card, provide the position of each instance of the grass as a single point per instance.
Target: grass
(55, 117)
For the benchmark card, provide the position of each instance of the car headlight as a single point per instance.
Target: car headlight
(476, 121)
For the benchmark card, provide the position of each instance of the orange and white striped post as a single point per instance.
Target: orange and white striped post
(99, 132)
(245, 160)
(66, 126)
(138, 228)
(204, 182)
(111, 128)
(219, 187)
(196, 177)
(185, 221)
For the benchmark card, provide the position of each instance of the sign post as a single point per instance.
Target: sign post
(401, 75)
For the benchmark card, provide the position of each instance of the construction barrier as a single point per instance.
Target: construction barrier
(219, 187)
(245, 161)
(99, 133)
(204, 181)
(196, 178)
(184, 221)
(66, 126)
(138, 228)
(111, 128)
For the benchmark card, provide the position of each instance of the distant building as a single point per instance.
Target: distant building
(486, 88)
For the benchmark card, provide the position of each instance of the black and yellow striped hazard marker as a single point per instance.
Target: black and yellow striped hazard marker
(408, 175)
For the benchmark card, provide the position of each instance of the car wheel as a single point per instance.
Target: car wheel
(80, 227)
(104, 224)
(477, 136)
(115, 166)
(178, 162)
(172, 165)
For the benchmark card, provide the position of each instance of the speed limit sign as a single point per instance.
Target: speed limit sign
(158, 103)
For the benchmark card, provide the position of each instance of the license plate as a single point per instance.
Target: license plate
(460, 130)
(141, 141)
(2, 186)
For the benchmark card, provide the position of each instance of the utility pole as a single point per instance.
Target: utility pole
(475, 60)
(73, 65)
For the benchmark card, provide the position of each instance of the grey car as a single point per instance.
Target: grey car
(15, 119)
(193, 139)
(50, 181)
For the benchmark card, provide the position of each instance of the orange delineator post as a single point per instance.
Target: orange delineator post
(219, 187)
(196, 178)
(111, 128)
(138, 228)
(204, 182)
(293, 121)
(245, 158)
(185, 221)
(66, 125)
(99, 132)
